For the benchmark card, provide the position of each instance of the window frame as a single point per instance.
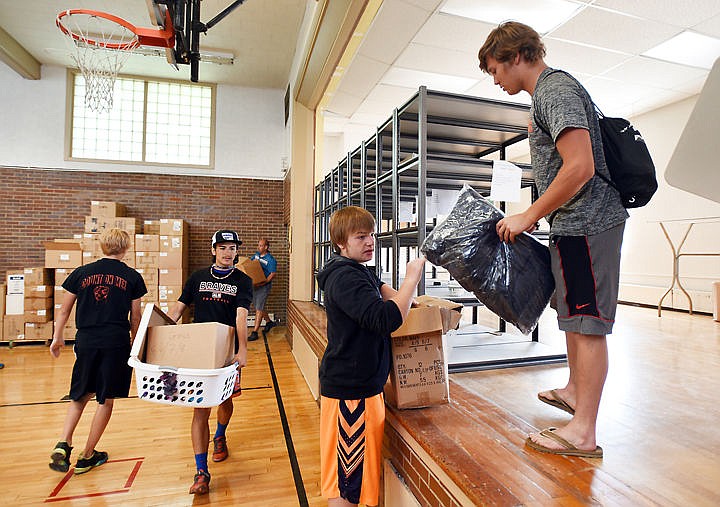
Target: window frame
(69, 122)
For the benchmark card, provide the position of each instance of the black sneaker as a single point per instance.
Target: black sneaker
(253, 336)
(86, 464)
(61, 457)
(269, 325)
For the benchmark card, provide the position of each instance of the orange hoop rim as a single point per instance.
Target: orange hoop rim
(143, 36)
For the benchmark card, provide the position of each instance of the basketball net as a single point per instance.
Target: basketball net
(99, 47)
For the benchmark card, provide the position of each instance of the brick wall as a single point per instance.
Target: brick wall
(41, 205)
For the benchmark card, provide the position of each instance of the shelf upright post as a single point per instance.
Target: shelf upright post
(378, 201)
(422, 176)
(363, 172)
(395, 223)
(503, 325)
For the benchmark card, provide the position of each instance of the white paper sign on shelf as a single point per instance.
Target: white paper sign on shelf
(506, 179)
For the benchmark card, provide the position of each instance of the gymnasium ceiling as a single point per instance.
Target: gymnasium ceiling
(416, 42)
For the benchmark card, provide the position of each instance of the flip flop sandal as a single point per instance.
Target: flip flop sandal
(557, 402)
(568, 449)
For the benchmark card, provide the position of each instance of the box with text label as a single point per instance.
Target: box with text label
(419, 375)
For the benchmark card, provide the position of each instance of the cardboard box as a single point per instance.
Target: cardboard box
(450, 311)
(206, 346)
(419, 376)
(173, 227)
(716, 301)
(61, 275)
(174, 244)
(90, 242)
(150, 275)
(147, 242)
(96, 224)
(42, 315)
(152, 294)
(107, 209)
(15, 283)
(38, 276)
(90, 257)
(171, 277)
(169, 293)
(151, 227)
(13, 327)
(33, 304)
(63, 254)
(38, 331)
(172, 260)
(253, 269)
(14, 304)
(39, 291)
(146, 259)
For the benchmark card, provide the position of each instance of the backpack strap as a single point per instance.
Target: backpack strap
(597, 110)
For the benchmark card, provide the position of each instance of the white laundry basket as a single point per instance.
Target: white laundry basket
(176, 386)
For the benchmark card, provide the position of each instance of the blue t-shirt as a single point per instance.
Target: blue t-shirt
(267, 261)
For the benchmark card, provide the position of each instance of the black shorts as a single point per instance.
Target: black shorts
(104, 372)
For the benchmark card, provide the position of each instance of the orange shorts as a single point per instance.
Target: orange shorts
(351, 435)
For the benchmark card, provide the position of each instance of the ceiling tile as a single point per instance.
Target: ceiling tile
(648, 71)
(489, 90)
(441, 60)
(578, 58)
(683, 13)
(605, 29)
(415, 78)
(394, 26)
(343, 104)
(710, 27)
(393, 95)
(453, 32)
(362, 75)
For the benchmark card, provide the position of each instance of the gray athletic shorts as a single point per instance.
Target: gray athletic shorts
(260, 295)
(587, 277)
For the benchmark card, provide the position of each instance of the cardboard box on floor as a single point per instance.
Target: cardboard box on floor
(253, 269)
(419, 376)
(450, 311)
(207, 345)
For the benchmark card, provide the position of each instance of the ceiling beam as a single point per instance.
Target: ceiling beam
(336, 22)
(17, 57)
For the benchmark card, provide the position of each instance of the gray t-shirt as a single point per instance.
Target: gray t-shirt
(560, 102)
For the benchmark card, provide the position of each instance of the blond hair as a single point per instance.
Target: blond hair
(347, 221)
(114, 241)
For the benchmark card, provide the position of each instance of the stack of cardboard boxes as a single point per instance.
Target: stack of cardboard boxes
(165, 279)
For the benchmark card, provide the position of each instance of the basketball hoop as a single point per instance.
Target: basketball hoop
(100, 44)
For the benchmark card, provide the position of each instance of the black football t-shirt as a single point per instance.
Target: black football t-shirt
(105, 290)
(217, 298)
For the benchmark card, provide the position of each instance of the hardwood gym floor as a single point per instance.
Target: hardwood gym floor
(658, 426)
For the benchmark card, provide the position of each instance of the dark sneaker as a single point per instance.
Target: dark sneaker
(269, 325)
(220, 451)
(201, 484)
(253, 336)
(61, 457)
(86, 464)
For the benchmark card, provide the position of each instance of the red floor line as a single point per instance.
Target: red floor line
(89, 495)
(133, 474)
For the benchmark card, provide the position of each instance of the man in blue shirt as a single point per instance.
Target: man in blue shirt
(262, 289)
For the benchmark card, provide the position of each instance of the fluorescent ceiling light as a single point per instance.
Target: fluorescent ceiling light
(542, 15)
(688, 48)
(415, 78)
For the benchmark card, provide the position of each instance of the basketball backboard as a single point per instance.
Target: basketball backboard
(157, 13)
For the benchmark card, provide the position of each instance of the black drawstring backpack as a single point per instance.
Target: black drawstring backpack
(632, 172)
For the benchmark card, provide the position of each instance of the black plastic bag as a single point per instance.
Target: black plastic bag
(513, 280)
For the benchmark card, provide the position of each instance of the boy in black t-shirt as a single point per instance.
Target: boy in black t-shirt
(106, 291)
(222, 294)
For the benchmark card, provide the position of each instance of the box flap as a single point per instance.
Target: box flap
(442, 303)
(252, 268)
(62, 244)
(152, 316)
(425, 319)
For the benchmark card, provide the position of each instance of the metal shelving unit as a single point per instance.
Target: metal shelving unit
(435, 141)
